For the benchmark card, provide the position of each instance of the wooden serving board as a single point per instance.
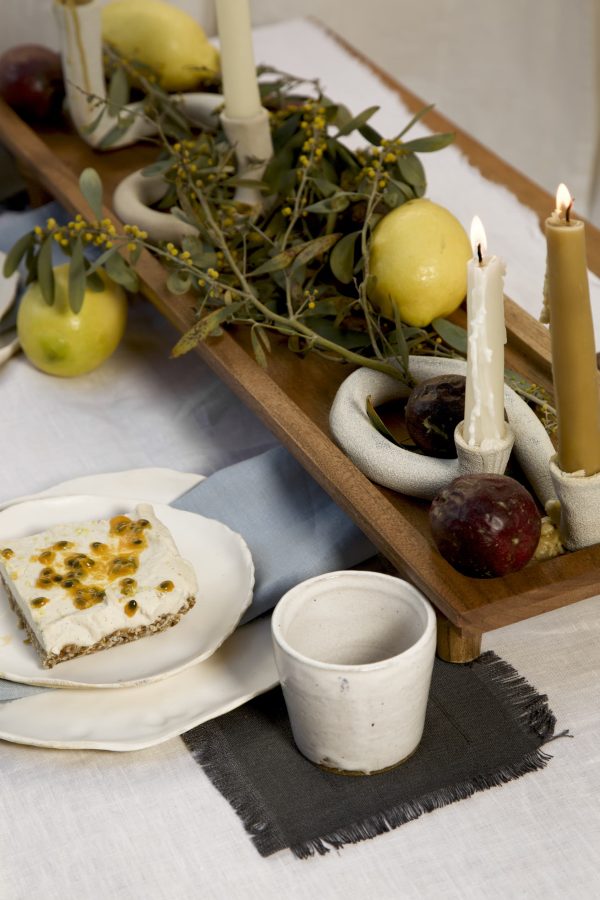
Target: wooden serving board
(294, 397)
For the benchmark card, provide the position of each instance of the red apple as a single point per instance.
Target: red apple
(485, 525)
(31, 82)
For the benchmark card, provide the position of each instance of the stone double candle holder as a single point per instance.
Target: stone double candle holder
(80, 32)
(424, 476)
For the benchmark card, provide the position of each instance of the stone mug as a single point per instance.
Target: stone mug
(355, 651)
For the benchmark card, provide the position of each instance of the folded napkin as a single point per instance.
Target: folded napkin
(292, 527)
(485, 726)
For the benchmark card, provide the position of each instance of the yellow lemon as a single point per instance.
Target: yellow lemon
(418, 255)
(61, 342)
(162, 37)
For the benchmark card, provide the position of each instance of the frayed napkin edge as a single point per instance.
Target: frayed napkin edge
(512, 690)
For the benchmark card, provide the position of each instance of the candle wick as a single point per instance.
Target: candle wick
(568, 211)
(479, 254)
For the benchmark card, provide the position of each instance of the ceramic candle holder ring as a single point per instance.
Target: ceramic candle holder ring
(424, 476)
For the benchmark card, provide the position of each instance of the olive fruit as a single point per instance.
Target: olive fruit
(433, 410)
(485, 525)
(31, 82)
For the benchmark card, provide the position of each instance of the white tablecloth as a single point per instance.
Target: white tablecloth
(149, 824)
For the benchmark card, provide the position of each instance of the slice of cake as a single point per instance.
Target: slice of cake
(87, 586)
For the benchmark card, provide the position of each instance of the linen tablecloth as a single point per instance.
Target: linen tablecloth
(86, 824)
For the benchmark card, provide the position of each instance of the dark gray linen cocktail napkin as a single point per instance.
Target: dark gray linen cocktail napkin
(484, 727)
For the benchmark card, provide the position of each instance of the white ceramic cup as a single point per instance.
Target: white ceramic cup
(355, 651)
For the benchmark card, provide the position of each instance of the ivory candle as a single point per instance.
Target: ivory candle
(240, 86)
(486, 335)
(574, 369)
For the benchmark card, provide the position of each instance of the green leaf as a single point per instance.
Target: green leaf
(157, 168)
(453, 335)
(91, 188)
(349, 340)
(121, 272)
(415, 119)
(411, 169)
(370, 135)
(327, 188)
(337, 203)
(203, 328)
(118, 91)
(259, 354)
(94, 283)
(179, 282)
(116, 132)
(77, 279)
(45, 275)
(91, 127)
(401, 346)
(101, 261)
(276, 263)
(357, 122)
(430, 143)
(280, 174)
(341, 259)
(378, 423)
(16, 254)
(134, 254)
(312, 249)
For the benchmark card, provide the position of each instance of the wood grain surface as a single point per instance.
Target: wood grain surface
(294, 395)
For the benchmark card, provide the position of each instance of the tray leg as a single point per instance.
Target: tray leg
(455, 645)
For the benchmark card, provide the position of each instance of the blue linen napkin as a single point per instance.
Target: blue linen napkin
(292, 527)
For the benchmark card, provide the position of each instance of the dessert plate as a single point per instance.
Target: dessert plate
(225, 574)
(139, 717)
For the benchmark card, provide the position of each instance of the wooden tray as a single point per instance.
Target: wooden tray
(294, 397)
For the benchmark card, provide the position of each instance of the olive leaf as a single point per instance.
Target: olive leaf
(17, 253)
(378, 423)
(118, 91)
(91, 188)
(204, 327)
(77, 279)
(179, 282)
(453, 335)
(341, 259)
(411, 170)
(121, 272)
(257, 347)
(45, 274)
(430, 143)
(357, 122)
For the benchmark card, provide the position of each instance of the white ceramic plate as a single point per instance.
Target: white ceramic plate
(139, 717)
(225, 575)
(162, 485)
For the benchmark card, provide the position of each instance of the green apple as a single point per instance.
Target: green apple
(418, 255)
(161, 36)
(61, 342)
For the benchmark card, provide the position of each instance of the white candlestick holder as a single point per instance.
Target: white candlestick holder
(80, 32)
(489, 459)
(579, 497)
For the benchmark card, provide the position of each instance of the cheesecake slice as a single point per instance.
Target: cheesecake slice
(84, 587)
